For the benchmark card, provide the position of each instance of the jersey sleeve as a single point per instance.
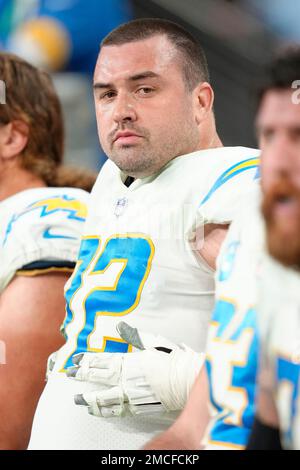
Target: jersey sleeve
(230, 188)
(44, 235)
(45, 266)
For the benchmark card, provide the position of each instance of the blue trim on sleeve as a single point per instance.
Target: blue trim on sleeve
(230, 173)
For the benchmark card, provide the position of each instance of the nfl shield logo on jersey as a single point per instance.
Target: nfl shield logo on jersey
(120, 206)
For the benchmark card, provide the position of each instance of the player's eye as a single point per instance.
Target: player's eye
(145, 90)
(295, 134)
(107, 95)
(266, 135)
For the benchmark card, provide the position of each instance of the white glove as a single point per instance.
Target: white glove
(153, 380)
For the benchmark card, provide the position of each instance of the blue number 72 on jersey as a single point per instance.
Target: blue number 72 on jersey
(123, 259)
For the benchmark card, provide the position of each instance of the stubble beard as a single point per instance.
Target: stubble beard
(132, 160)
(144, 160)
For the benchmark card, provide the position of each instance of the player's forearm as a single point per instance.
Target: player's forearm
(30, 334)
(172, 439)
(188, 431)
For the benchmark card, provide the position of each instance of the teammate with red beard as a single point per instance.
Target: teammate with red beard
(279, 287)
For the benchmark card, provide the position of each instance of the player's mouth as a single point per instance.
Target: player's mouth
(126, 138)
(286, 206)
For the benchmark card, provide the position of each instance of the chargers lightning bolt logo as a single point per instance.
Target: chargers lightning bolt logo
(74, 209)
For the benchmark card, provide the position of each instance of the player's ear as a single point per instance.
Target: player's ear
(13, 138)
(203, 101)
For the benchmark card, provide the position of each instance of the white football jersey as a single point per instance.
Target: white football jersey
(232, 347)
(138, 263)
(279, 322)
(42, 224)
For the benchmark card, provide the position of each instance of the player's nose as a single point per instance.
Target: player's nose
(124, 109)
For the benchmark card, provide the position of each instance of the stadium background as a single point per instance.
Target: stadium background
(238, 36)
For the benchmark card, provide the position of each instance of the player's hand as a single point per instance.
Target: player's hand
(120, 383)
(153, 380)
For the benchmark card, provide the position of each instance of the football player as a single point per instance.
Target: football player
(39, 239)
(247, 282)
(158, 214)
(278, 411)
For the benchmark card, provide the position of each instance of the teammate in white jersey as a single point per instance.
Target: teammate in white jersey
(39, 240)
(232, 344)
(143, 258)
(279, 293)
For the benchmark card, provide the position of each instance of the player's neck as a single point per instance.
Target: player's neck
(15, 180)
(209, 138)
(215, 142)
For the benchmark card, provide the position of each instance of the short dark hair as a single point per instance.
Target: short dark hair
(194, 63)
(282, 71)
